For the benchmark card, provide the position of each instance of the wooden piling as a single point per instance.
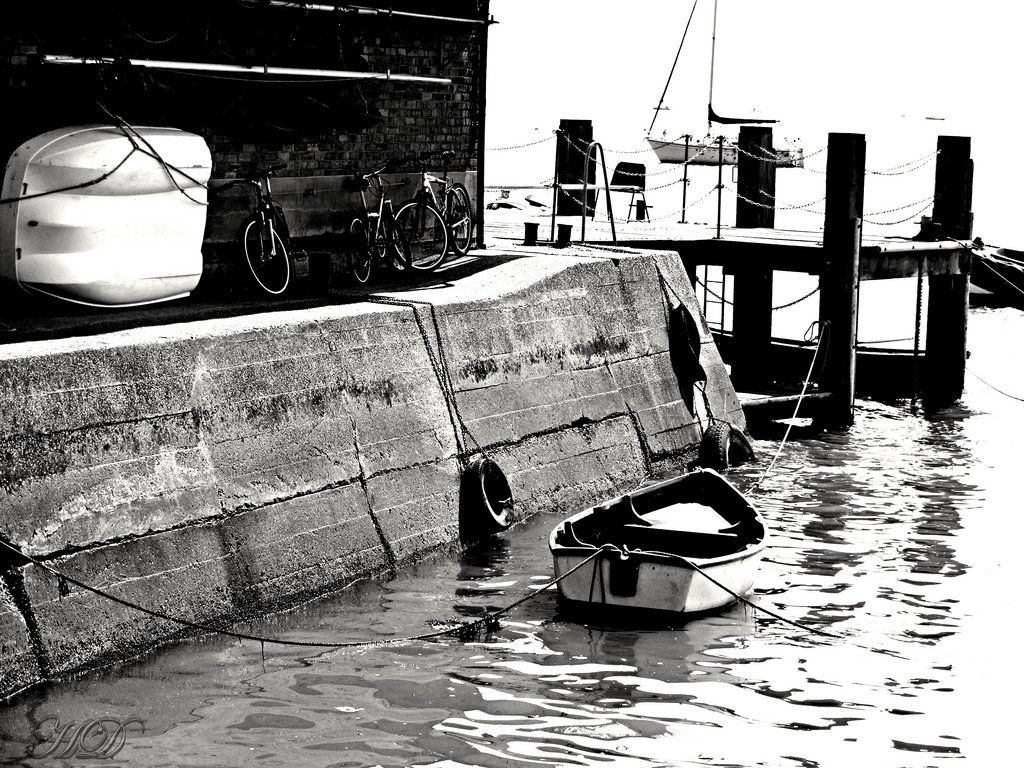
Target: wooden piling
(574, 136)
(752, 328)
(946, 340)
(752, 286)
(755, 178)
(840, 281)
(954, 187)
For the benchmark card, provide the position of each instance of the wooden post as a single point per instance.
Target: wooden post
(840, 281)
(946, 341)
(954, 188)
(752, 328)
(755, 178)
(573, 139)
(752, 286)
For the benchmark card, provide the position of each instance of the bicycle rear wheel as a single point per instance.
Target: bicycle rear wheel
(266, 257)
(425, 235)
(459, 215)
(360, 254)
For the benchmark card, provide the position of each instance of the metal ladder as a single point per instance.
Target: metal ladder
(592, 149)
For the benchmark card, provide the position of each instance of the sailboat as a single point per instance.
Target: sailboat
(711, 150)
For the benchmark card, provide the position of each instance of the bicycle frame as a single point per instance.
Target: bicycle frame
(264, 208)
(385, 213)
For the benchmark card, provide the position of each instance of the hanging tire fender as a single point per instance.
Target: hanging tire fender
(723, 445)
(485, 504)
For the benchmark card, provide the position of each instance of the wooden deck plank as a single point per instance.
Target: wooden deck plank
(781, 249)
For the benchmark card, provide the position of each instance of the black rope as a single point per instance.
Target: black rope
(693, 566)
(488, 621)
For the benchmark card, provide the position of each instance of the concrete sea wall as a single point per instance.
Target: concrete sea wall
(221, 469)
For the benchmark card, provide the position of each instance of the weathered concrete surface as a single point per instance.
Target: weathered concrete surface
(18, 665)
(223, 468)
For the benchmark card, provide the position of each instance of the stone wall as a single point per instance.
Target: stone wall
(222, 469)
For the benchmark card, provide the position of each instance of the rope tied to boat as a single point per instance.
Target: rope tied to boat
(466, 631)
(597, 577)
(822, 343)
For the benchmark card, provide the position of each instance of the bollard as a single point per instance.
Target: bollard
(531, 233)
(564, 234)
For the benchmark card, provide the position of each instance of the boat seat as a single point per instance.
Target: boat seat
(685, 543)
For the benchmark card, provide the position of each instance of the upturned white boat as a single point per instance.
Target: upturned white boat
(105, 216)
(687, 545)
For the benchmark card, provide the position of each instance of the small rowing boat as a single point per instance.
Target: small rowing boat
(687, 545)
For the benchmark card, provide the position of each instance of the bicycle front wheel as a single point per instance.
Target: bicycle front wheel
(459, 215)
(424, 233)
(266, 257)
(360, 255)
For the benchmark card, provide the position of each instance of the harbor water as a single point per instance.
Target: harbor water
(898, 537)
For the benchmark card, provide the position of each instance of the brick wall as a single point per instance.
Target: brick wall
(318, 127)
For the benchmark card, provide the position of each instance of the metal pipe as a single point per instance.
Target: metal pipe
(686, 175)
(556, 185)
(369, 11)
(201, 66)
(718, 233)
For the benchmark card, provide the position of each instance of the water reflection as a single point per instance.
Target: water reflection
(880, 535)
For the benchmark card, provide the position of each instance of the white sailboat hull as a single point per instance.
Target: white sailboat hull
(704, 152)
(94, 222)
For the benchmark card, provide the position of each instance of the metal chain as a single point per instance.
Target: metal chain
(784, 207)
(521, 146)
(898, 170)
(928, 203)
(724, 300)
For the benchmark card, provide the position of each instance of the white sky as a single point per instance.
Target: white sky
(837, 59)
(877, 67)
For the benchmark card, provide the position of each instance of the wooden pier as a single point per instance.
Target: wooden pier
(840, 255)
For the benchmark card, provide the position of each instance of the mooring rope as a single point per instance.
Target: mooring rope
(469, 630)
(993, 386)
(822, 334)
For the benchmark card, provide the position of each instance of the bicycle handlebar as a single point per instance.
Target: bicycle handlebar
(254, 178)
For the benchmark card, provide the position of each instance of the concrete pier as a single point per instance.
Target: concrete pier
(224, 468)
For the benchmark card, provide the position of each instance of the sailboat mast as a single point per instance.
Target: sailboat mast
(711, 82)
(675, 61)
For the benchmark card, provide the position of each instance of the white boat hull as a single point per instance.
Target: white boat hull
(661, 586)
(94, 222)
(687, 545)
(704, 152)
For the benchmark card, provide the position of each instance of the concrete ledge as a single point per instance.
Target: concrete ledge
(224, 468)
(19, 667)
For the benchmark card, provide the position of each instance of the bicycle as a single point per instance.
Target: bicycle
(264, 234)
(415, 238)
(373, 235)
(453, 205)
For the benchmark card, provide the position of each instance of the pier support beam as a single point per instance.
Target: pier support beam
(752, 291)
(946, 342)
(840, 281)
(574, 137)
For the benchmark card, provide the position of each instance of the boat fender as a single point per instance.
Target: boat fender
(486, 499)
(723, 445)
(684, 346)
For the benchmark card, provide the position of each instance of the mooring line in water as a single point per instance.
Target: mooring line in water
(693, 566)
(993, 386)
(465, 632)
(803, 391)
